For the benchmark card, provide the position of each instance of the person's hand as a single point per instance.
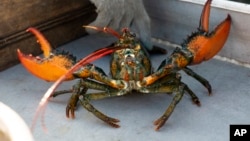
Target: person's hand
(118, 14)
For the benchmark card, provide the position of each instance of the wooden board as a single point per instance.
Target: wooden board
(60, 21)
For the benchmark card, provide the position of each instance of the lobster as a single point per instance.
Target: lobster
(130, 67)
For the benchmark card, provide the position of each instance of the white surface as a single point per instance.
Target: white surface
(229, 104)
(13, 125)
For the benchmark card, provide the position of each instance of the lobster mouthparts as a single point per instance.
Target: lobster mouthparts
(49, 68)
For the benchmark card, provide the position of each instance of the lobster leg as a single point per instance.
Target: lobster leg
(167, 85)
(170, 84)
(77, 90)
(79, 95)
(91, 71)
(199, 78)
(57, 93)
(194, 98)
(75, 98)
(191, 73)
(109, 120)
(161, 121)
(96, 85)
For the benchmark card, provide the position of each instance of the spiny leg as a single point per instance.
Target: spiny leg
(96, 85)
(163, 84)
(95, 96)
(191, 73)
(195, 99)
(199, 78)
(109, 120)
(57, 93)
(88, 83)
(177, 88)
(71, 106)
(80, 88)
(77, 90)
(80, 95)
(84, 101)
(161, 121)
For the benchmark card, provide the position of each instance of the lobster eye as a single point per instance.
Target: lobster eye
(128, 51)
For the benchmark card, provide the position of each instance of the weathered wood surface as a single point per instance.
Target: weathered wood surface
(60, 20)
(17, 14)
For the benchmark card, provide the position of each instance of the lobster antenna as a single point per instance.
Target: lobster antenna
(105, 30)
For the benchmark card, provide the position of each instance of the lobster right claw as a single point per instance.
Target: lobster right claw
(205, 45)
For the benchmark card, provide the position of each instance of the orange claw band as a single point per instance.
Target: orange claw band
(49, 68)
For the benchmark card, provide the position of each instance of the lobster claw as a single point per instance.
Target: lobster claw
(49, 68)
(205, 45)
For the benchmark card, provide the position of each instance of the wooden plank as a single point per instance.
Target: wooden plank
(62, 24)
(17, 14)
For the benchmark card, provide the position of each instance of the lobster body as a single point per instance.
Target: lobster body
(131, 68)
(131, 63)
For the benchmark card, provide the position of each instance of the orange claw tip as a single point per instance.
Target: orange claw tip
(49, 69)
(204, 19)
(45, 45)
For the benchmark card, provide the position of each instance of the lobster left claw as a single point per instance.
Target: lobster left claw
(201, 46)
(205, 45)
(52, 66)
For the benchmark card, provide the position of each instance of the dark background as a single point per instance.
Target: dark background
(243, 1)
